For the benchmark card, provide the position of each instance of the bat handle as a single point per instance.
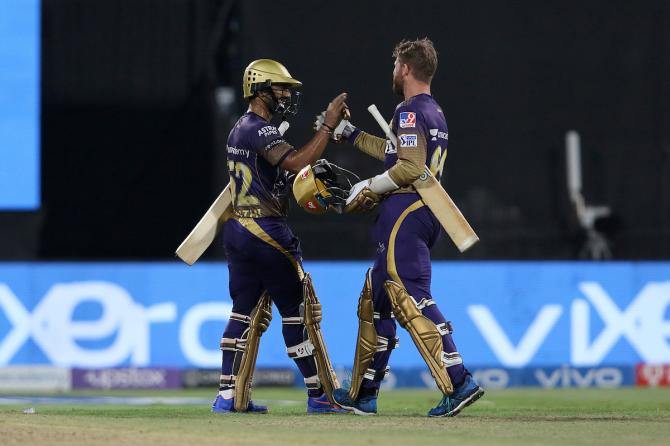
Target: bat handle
(374, 111)
(283, 127)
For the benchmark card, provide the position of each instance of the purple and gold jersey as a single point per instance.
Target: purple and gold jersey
(259, 186)
(421, 128)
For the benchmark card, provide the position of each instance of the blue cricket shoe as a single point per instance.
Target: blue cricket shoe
(321, 404)
(221, 405)
(363, 406)
(464, 395)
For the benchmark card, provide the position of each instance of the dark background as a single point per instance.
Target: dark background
(138, 97)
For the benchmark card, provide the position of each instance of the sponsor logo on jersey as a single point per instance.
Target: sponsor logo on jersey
(390, 148)
(305, 174)
(435, 133)
(408, 141)
(311, 205)
(407, 120)
(274, 143)
(268, 130)
(236, 151)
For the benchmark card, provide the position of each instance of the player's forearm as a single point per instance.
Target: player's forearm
(405, 172)
(307, 154)
(369, 144)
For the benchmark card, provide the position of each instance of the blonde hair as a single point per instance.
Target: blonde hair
(420, 55)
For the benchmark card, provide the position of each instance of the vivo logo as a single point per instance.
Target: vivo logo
(127, 323)
(492, 378)
(570, 377)
(642, 324)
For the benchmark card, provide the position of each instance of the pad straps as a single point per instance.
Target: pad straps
(367, 341)
(259, 322)
(425, 334)
(313, 315)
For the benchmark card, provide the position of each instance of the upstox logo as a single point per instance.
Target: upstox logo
(642, 324)
(67, 341)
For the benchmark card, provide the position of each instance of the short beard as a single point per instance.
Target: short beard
(397, 87)
(269, 101)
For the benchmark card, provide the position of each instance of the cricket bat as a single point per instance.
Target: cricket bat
(203, 234)
(205, 231)
(436, 198)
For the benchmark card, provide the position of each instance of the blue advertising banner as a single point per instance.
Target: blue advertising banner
(546, 377)
(505, 314)
(20, 104)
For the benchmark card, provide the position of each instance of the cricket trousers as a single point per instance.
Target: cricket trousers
(403, 233)
(264, 255)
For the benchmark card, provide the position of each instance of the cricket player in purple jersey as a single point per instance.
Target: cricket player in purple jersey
(404, 232)
(264, 257)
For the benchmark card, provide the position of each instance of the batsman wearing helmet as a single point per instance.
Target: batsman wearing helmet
(264, 257)
(399, 283)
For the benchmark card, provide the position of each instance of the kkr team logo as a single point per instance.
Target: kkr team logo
(407, 120)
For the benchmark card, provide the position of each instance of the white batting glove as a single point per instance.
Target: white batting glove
(366, 195)
(341, 133)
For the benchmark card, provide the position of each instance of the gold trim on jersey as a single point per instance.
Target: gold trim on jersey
(253, 227)
(390, 253)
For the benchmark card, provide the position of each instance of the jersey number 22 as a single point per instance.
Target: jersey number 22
(240, 176)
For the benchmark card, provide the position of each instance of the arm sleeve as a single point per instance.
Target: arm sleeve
(369, 144)
(405, 172)
(412, 149)
(271, 145)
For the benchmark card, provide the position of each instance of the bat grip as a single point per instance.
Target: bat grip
(374, 111)
(283, 127)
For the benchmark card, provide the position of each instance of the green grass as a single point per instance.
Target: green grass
(568, 417)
